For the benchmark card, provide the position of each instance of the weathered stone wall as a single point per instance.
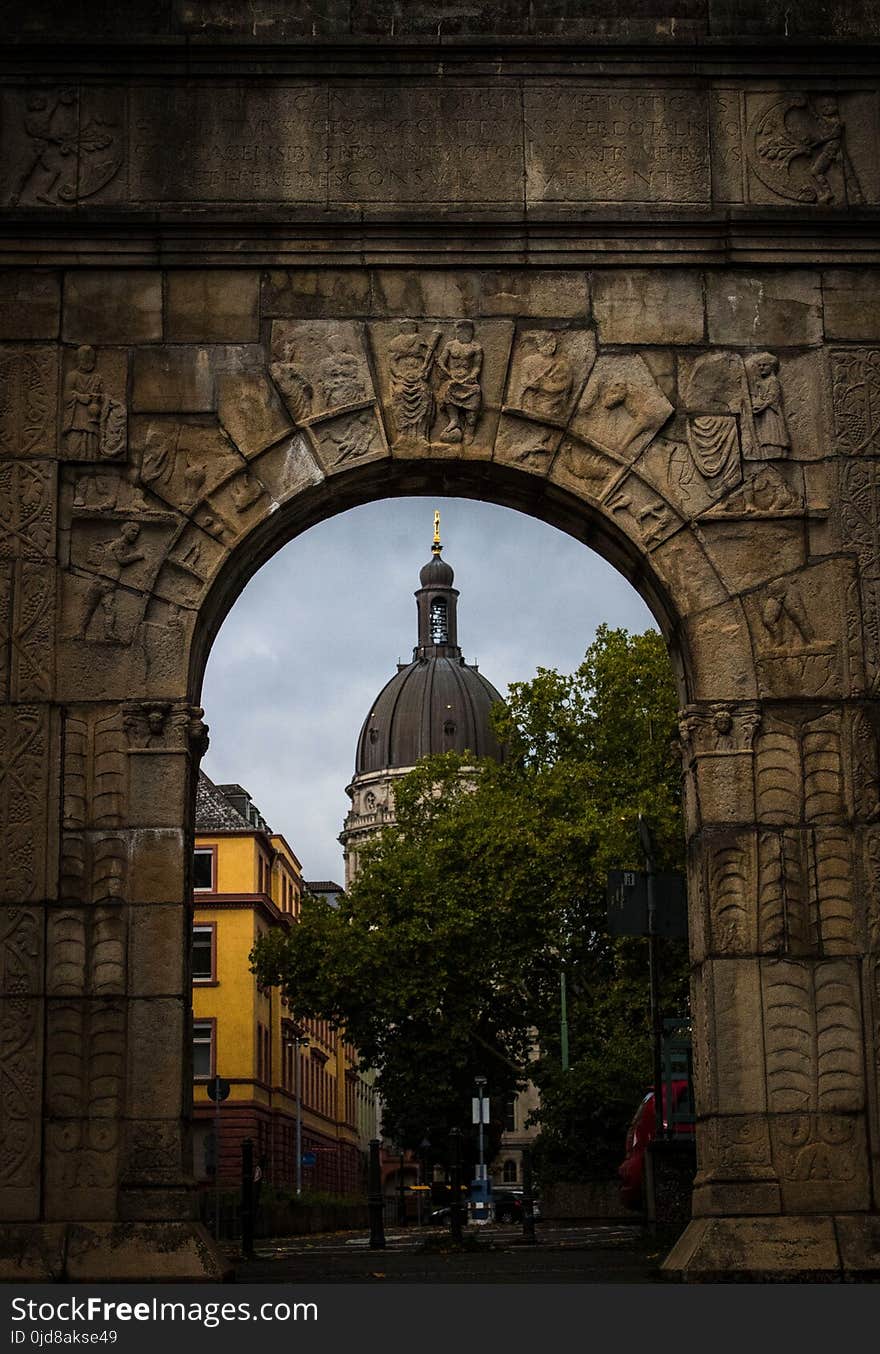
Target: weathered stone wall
(634, 293)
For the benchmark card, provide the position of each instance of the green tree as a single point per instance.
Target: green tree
(444, 958)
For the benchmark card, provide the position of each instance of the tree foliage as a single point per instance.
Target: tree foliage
(443, 961)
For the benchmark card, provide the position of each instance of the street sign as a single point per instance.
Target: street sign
(309, 1158)
(628, 903)
(218, 1088)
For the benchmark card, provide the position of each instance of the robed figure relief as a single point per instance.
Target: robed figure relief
(410, 359)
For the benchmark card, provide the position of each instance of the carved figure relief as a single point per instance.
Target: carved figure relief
(791, 655)
(797, 148)
(24, 761)
(768, 411)
(74, 149)
(19, 1047)
(855, 396)
(622, 407)
(411, 358)
(460, 396)
(93, 424)
(646, 517)
(719, 729)
(112, 557)
(812, 1031)
(319, 367)
(28, 391)
(296, 391)
(547, 378)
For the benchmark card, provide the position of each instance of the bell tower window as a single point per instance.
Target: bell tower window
(439, 625)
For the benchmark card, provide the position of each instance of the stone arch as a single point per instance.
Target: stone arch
(183, 467)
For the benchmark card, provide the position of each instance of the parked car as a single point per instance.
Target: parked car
(507, 1205)
(642, 1130)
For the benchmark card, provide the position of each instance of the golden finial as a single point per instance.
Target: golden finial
(436, 547)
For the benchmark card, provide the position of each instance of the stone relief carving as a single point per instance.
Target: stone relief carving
(791, 655)
(855, 398)
(20, 955)
(720, 729)
(27, 510)
(93, 847)
(819, 1160)
(319, 367)
(797, 147)
(735, 413)
(112, 557)
(460, 394)
(28, 394)
(72, 147)
(806, 902)
(622, 407)
(799, 772)
(812, 1031)
(93, 423)
(729, 891)
(24, 769)
(85, 1062)
(27, 630)
(86, 952)
(547, 378)
(411, 358)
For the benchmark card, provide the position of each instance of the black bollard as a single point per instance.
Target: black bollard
(375, 1202)
(247, 1199)
(528, 1219)
(455, 1210)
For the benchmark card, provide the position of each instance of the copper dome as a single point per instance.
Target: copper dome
(438, 702)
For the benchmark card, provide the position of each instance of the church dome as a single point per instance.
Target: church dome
(431, 705)
(438, 702)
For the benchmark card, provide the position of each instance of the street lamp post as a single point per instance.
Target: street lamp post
(482, 1201)
(297, 1041)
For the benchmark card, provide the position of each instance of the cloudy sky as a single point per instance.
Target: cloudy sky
(318, 632)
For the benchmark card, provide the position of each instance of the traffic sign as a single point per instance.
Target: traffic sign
(309, 1159)
(628, 903)
(218, 1088)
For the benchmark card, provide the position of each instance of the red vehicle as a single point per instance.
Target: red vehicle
(642, 1130)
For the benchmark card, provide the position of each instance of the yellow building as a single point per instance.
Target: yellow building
(246, 882)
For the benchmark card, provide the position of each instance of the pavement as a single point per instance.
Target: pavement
(586, 1253)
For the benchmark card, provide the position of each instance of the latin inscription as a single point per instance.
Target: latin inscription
(451, 143)
(229, 145)
(622, 145)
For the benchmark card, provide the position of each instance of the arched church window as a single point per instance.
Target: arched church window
(439, 628)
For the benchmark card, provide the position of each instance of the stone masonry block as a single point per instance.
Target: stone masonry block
(30, 304)
(173, 380)
(764, 309)
(213, 307)
(639, 306)
(852, 303)
(112, 306)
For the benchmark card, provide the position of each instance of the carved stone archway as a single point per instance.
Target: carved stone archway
(673, 356)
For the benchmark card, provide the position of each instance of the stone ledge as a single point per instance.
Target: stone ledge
(810, 1248)
(108, 1252)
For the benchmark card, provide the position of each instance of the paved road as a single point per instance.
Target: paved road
(609, 1253)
